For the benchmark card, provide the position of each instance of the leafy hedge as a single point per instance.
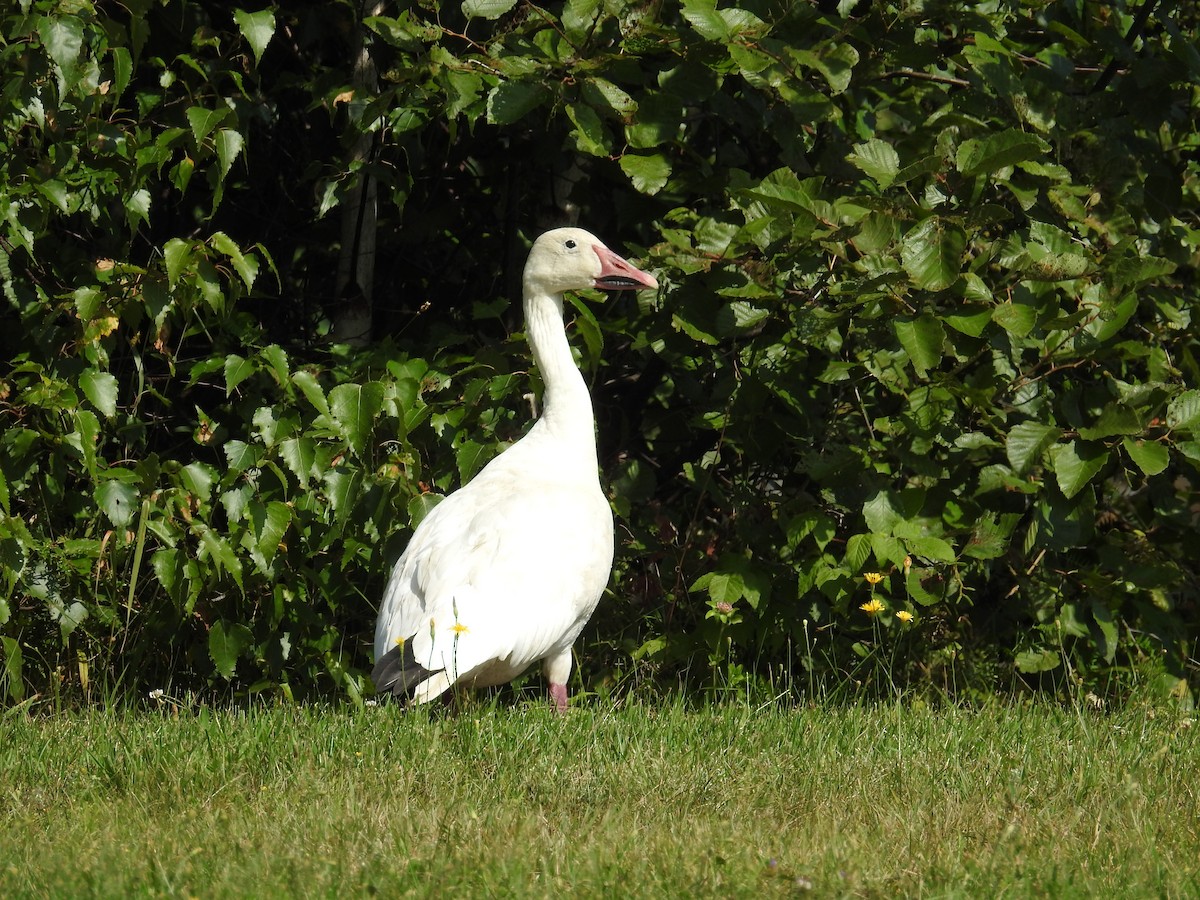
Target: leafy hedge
(918, 403)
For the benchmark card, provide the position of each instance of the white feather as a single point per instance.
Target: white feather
(506, 571)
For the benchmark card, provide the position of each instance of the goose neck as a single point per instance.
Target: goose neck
(566, 403)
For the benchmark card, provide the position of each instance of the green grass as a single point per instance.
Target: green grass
(638, 801)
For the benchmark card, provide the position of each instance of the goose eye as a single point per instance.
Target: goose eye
(571, 245)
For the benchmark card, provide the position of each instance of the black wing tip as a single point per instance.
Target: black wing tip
(397, 672)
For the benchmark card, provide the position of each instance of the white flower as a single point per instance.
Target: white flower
(157, 694)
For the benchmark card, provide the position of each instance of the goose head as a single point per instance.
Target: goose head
(571, 259)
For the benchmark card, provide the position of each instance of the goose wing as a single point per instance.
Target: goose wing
(499, 575)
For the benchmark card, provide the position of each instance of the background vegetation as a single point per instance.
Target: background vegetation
(927, 314)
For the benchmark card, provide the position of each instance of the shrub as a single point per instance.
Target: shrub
(929, 280)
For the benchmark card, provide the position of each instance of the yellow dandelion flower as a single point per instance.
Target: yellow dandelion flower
(904, 616)
(873, 577)
(872, 607)
(458, 628)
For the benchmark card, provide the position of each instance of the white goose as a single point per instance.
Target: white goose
(507, 570)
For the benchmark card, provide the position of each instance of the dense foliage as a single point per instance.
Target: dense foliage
(918, 403)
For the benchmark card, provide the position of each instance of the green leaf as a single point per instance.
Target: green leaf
(276, 359)
(268, 523)
(579, 16)
(695, 331)
(118, 501)
(237, 370)
(122, 64)
(1116, 418)
(510, 101)
(1107, 627)
(241, 456)
(782, 188)
(858, 551)
(603, 94)
(57, 193)
(970, 321)
(925, 585)
(88, 427)
(62, 36)
(1149, 456)
(722, 587)
(587, 326)
(647, 173)
(881, 513)
(235, 500)
(257, 28)
(101, 390)
(311, 388)
(1045, 265)
(137, 208)
(469, 455)
(178, 254)
(246, 266)
(420, 506)
(181, 174)
(932, 254)
(990, 536)
(198, 479)
(1134, 270)
(702, 15)
(750, 60)
(203, 121)
(1033, 661)
(354, 408)
(922, 339)
(226, 643)
(878, 159)
(70, 617)
(1017, 319)
(888, 549)
(486, 9)
(999, 151)
(1112, 318)
(343, 489)
(931, 548)
(219, 551)
(1026, 442)
(1075, 464)
(589, 132)
(267, 426)
(228, 144)
(1184, 411)
(166, 569)
(657, 122)
(299, 454)
(89, 304)
(836, 65)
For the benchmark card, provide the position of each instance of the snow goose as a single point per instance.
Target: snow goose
(507, 570)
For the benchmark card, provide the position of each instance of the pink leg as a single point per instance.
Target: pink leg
(558, 693)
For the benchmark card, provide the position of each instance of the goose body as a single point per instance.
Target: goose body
(507, 570)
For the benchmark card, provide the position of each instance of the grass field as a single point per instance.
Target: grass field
(637, 801)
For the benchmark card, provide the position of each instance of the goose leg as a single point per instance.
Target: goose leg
(558, 693)
(558, 670)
